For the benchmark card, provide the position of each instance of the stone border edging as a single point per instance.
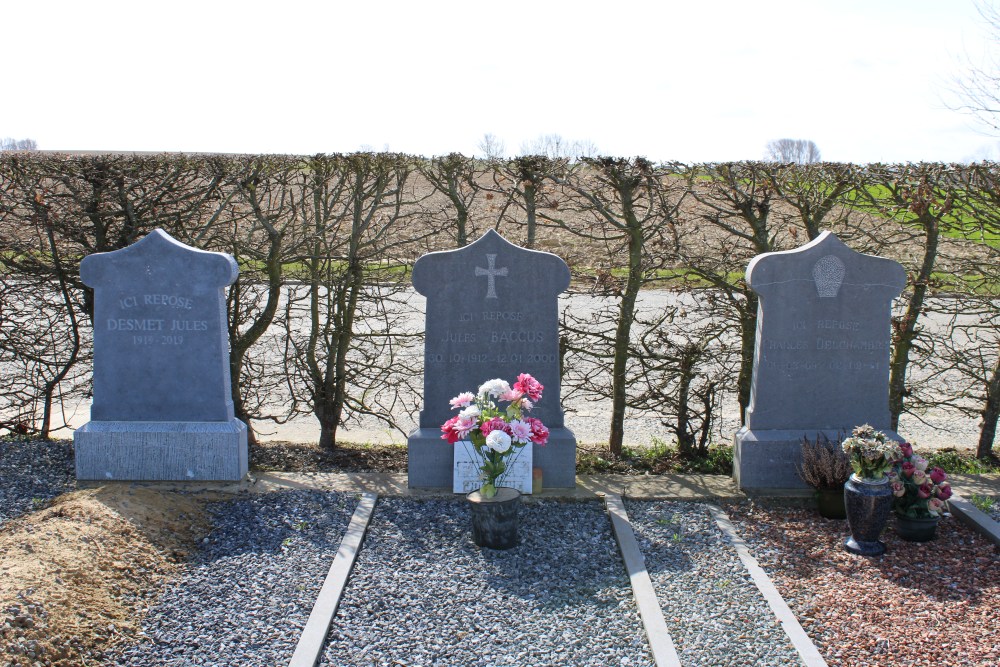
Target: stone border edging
(310, 644)
(975, 518)
(810, 655)
(660, 644)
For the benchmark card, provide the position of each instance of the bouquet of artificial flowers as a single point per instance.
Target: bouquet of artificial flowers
(871, 453)
(497, 434)
(919, 493)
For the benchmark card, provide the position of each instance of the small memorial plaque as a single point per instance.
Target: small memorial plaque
(466, 475)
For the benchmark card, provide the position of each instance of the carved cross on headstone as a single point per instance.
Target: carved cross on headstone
(514, 330)
(491, 273)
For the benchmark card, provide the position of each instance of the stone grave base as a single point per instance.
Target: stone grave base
(431, 460)
(161, 451)
(765, 460)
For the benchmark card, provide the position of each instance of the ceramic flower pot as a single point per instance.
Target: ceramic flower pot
(494, 520)
(830, 503)
(868, 503)
(923, 529)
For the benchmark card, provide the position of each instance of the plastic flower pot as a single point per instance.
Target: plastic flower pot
(913, 529)
(494, 520)
(830, 503)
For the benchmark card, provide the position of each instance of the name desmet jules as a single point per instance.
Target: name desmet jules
(151, 324)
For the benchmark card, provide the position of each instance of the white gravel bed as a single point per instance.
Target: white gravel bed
(423, 594)
(714, 612)
(31, 473)
(247, 594)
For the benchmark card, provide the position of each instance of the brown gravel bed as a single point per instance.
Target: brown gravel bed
(936, 603)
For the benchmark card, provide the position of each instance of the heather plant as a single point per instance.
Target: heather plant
(824, 465)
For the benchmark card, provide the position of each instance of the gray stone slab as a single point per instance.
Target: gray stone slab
(431, 460)
(975, 518)
(492, 312)
(161, 451)
(821, 359)
(810, 655)
(162, 407)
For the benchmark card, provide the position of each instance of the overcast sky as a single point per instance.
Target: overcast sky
(688, 80)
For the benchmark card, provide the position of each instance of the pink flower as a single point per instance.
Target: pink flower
(938, 475)
(463, 400)
(908, 469)
(944, 491)
(463, 427)
(934, 505)
(448, 431)
(520, 431)
(539, 434)
(919, 476)
(511, 395)
(530, 386)
(906, 448)
(920, 463)
(924, 490)
(495, 424)
(526, 405)
(898, 489)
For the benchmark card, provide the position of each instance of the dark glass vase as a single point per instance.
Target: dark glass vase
(921, 529)
(494, 520)
(868, 503)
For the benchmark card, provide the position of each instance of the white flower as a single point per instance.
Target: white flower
(498, 441)
(494, 387)
(471, 412)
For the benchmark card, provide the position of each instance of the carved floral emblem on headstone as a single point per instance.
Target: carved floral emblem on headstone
(828, 274)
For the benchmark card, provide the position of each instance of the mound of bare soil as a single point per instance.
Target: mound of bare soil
(76, 577)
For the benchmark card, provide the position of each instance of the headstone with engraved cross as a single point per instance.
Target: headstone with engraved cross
(492, 312)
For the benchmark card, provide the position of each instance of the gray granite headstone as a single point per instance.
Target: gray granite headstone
(492, 312)
(162, 408)
(821, 359)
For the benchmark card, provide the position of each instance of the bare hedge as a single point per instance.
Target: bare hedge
(325, 243)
